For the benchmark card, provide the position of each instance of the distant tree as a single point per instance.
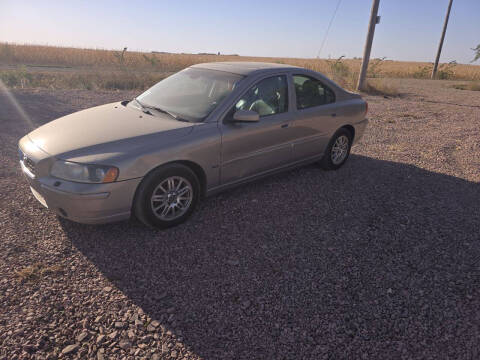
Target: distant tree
(477, 53)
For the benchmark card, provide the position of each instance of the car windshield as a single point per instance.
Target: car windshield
(190, 94)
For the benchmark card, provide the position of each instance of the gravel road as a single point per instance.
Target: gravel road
(379, 260)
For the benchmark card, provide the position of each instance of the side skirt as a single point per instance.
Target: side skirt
(223, 187)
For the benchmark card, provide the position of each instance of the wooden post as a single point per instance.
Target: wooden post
(439, 51)
(368, 45)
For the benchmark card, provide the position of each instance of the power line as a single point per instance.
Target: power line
(328, 28)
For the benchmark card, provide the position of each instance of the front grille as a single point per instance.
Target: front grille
(29, 164)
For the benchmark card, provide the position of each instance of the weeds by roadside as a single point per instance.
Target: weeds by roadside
(381, 87)
(344, 76)
(113, 80)
(472, 86)
(341, 73)
(36, 271)
(374, 67)
(444, 71)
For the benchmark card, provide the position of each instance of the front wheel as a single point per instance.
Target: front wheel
(167, 196)
(337, 151)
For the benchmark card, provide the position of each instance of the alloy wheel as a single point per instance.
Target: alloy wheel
(340, 149)
(172, 198)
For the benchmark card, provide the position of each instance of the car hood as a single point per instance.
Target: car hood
(103, 131)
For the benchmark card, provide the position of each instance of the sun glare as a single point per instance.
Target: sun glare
(23, 114)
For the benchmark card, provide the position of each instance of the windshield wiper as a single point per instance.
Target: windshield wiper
(144, 106)
(175, 116)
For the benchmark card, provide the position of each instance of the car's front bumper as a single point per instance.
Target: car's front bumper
(83, 203)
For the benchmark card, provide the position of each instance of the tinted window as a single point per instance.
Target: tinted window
(311, 92)
(267, 97)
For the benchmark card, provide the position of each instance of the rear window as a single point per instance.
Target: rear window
(311, 92)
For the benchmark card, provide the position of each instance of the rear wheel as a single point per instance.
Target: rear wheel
(338, 150)
(167, 196)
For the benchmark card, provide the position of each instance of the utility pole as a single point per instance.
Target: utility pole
(374, 20)
(437, 59)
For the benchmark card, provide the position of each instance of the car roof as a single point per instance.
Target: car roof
(244, 68)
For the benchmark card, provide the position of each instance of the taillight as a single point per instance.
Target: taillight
(366, 108)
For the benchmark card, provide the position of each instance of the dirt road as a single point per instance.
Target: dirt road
(379, 260)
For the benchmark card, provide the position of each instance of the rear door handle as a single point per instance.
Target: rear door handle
(284, 125)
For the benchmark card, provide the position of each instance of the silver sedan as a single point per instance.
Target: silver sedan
(193, 134)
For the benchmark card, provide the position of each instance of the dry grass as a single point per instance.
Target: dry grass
(381, 87)
(60, 67)
(472, 86)
(14, 54)
(21, 77)
(36, 271)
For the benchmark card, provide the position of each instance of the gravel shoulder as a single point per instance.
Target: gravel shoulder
(379, 260)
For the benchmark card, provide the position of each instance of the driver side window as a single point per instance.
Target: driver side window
(267, 97)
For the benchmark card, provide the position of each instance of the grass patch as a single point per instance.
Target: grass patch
(410, 116)
(114, 80)
(340, 72)
(472, 86)
(36, 271)
(444, 71)
(381, 87)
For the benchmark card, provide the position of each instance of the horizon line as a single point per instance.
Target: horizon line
(214, 54)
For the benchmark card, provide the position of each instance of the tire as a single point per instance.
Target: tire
(331, 160)
(172, 190)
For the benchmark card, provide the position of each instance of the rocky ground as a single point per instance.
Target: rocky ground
(379, 260)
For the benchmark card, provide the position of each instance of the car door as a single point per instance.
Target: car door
(255, 147)
(316, 116)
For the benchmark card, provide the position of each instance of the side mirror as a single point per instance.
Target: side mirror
(246, 116)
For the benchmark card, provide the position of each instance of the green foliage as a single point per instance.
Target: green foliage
(339, 72)
(477, 53)
(120, 56)
(423, 72)
(337, 68)
(374, 67)
(19, 77)
(444, 71)
(152, 59)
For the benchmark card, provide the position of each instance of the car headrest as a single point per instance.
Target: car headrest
(309, 87)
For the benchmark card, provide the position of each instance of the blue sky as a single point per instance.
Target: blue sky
(409, 29)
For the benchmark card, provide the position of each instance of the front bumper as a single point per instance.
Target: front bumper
(83, 203)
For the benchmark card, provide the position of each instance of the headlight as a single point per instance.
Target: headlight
(67, 170)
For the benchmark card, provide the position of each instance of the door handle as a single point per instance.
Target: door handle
(284, 126)
(334, 114)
